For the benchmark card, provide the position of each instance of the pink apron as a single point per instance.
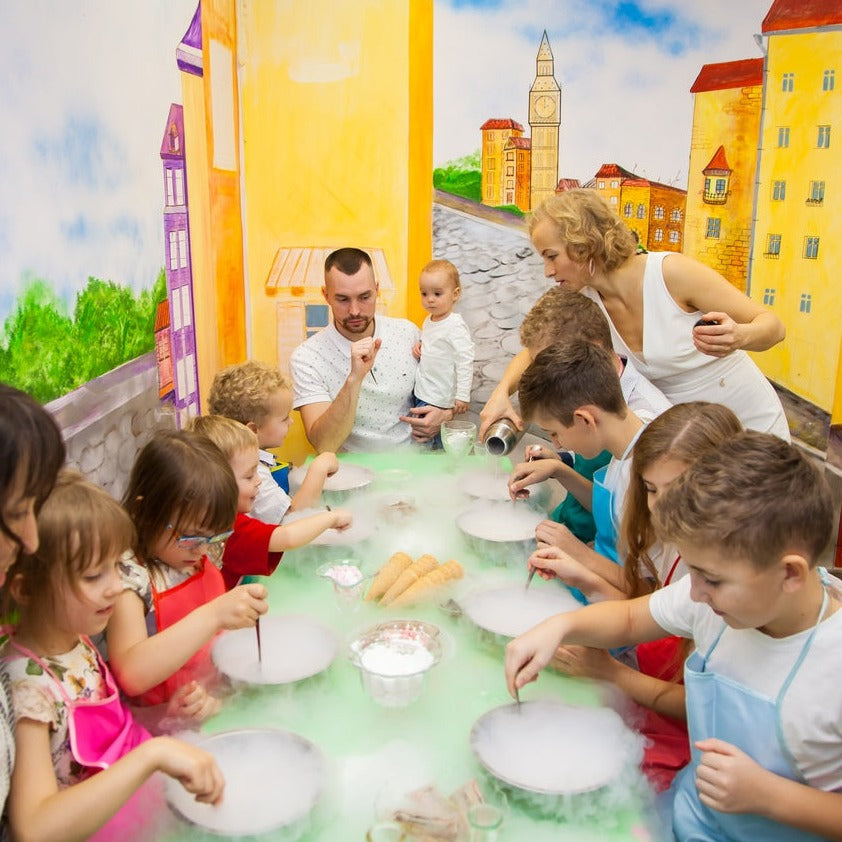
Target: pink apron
(101, 732)
(175, 604)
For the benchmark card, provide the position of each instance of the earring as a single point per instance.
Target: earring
(590, 267)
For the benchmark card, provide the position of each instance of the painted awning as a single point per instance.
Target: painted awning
(303, 266)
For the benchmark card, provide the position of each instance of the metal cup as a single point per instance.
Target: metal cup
(501, 438)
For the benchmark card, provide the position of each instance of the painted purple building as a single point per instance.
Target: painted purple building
(179, 269)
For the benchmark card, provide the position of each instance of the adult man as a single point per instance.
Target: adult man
(350, 397)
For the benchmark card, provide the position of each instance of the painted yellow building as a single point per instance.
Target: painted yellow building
(797, 248)
(723, 164)
(544, 122)
(496, 134)
(310, 128)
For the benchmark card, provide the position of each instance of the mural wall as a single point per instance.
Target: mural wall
(179, 197)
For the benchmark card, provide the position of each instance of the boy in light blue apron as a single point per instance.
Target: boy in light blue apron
(572, 390)
(764, 700)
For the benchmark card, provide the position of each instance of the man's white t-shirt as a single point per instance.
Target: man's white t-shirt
(811, 712)
(320, 367)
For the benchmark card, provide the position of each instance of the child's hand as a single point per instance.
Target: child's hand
(529, 473)
(325, 463)
(193, 768)
(583, 662)
(460, 407)
(416, 350)
(558, 535)
(192, 701)
(554, 563)
(528, 654)
(728, 780)
(240, 607)
(342, 519)
(538, 451)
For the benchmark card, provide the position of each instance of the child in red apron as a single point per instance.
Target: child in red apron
(84, 766)
(662, 452)
(182, 498)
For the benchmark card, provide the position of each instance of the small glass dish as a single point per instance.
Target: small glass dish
(348, 580)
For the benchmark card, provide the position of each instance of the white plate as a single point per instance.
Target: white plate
(552, 748)
(273, 779)
(500, 522)
(293, 646)
(488, 484)
(349, 477)
(512, 610)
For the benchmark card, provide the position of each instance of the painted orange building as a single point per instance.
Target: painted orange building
(496, 133)
(517, 164)
(723, 164)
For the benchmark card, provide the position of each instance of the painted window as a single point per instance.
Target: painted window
(773, 245)
(186, 306)
(659, 235)
(788, 82)
(811, 248)
(816, 196)
(769, 296)
(806, 303)
(675, 215)
(783, 137)
(829, 80)
(510, 170)
(615, 185)
(179, 186)
(613, 200)
(675, 237)
(641, 211)
(182, 249)
(601, 185)
(173, 250)
(315, 317)
(170, 186)
(627, 209)
(720, 185)
(659, 212)
(823, 141)
(190, 365)
(712, 231)
(778, 191)
(175, 310)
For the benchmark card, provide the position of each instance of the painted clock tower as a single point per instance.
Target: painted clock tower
(544, 120)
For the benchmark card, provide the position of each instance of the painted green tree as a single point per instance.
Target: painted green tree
(47, 352)
(463, 177)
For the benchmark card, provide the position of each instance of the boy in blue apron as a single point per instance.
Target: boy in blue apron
(258, 395)
(764, 701)
(572, 391)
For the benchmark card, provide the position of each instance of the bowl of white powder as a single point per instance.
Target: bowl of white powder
(394, 657)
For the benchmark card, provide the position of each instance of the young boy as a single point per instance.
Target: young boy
(560, 315)
(445, 351)
(573, 392)
(255, 548)
(764, 701)
(259, 396)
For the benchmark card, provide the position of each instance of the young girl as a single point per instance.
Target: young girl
(662, 453)
(80, 756)
(31, 453)
(182, 499)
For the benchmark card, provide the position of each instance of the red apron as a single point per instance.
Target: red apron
(175, 604)
(101, 732)
(668, 745)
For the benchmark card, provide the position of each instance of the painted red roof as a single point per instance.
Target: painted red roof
(501, 123)
(567, 184)
(162, 315)
(729, 74)
(801, 14)
(519, 142)
(718, 161)
(636, 182)
(614, 171)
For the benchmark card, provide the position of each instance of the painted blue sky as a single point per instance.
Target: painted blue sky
(625, 70)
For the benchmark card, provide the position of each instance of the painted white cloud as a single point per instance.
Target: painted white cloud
(83, 114)
(625, 93)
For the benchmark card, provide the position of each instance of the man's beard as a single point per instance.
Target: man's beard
(361, 327)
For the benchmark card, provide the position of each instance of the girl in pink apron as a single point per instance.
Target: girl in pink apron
(182, 498)
(84, 766)
(663, 451)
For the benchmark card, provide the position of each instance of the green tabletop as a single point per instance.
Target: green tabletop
(375, 752)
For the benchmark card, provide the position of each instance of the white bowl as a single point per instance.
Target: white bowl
(500, 533)
(394, 657)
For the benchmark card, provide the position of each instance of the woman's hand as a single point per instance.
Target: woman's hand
(499, 406)
(720, 339)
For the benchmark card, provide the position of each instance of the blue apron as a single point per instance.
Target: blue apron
(602, 507)
(721, 707)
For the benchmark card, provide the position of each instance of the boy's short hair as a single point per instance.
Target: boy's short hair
(754, 497)
(448, 268)
(348, 260)
(228, 435)
(560, 315)
(564, 377)
(243, 391)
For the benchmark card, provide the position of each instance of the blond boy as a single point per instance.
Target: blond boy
(255, 547)
(259, 396)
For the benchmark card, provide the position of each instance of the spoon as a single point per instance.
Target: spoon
(259, 650)
(529, 578)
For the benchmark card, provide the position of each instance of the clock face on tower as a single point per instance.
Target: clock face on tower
(545, 106)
